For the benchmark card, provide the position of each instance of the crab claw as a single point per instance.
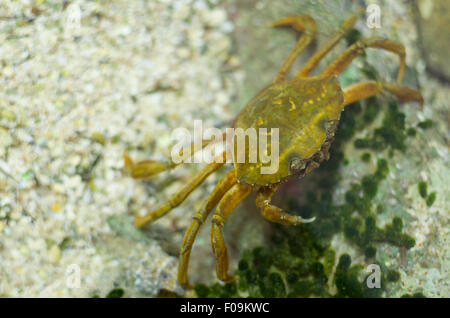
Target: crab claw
(144, 168)
(298, 23)
(302, 220)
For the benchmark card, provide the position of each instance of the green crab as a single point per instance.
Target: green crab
(306, 110)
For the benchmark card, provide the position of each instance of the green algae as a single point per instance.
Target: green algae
(390, 135)
(430, 199)
(426, 124)
(423, 188)
(423, 191)
(116, 293)
(113, 293)
(365, 157)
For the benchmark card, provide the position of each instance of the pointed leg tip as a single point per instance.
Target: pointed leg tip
(283, 22)
(230, 279)
(302, 220)
(127, 162)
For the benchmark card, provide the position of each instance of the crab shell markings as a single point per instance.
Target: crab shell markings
(306, 111)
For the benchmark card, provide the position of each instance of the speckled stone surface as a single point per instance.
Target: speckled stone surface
(75, 95)
(80, 84)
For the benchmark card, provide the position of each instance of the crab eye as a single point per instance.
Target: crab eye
(297, 164)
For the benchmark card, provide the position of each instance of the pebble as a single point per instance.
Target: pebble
(54, 255)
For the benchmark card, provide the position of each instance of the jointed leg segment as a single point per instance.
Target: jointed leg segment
(305, 24)
(181, 194)
(367, 89)
(315, 59)
(341, 62)
(148, 168)
(225, 207)
(273, 213)
(197, 220)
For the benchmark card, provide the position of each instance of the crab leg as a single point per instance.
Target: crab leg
(341, 62)
(315, 59)
(145, 168)
(181, 194)
(303, 23)
(148, 168)
(363, 90)
(273, 213)
(225, 207)
(197, 220)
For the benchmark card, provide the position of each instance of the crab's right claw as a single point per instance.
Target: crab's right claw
(144, 168)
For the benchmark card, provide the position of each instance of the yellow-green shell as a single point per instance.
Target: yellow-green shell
(301, 110)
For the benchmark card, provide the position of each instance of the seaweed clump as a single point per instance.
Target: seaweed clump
(423, 191)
